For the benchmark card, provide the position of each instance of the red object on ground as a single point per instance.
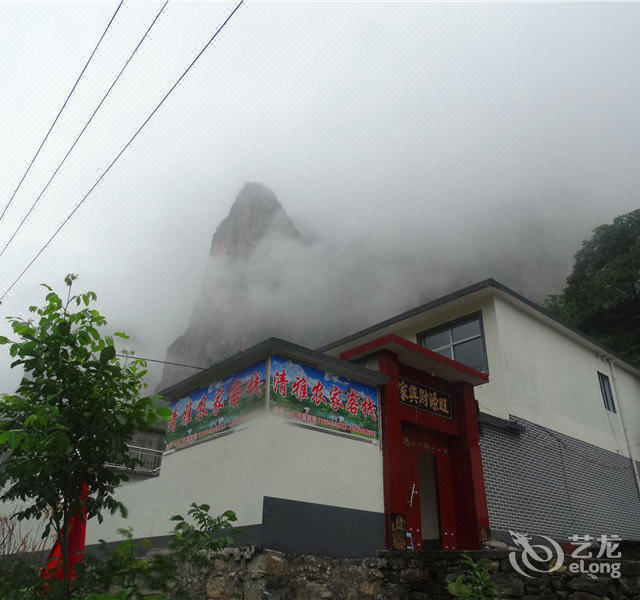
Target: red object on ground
(54, 569)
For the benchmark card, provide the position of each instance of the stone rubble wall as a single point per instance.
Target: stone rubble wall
(256, 574)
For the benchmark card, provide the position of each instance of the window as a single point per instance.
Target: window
(461, 340)
(605, 389)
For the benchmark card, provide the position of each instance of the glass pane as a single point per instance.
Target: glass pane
(437, 340)
(605, 387)
(470, 353)
(465, 330)
(446, 351)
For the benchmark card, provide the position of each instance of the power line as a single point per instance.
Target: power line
(164, 362)
(60, 111)
(97, 108)
(113, 162)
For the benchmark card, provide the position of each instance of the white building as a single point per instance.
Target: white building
(472, 415)
(567, 468)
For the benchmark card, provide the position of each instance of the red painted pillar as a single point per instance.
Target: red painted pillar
(392, 449)
(475, 456)
(468, 484)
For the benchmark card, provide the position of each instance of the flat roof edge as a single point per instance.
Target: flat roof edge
(485, 283)
(480, 285)
(262, 350)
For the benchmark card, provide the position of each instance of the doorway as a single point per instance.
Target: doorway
(429, 504)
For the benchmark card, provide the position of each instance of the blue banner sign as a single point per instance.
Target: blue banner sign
(218, 407)
(323, 399)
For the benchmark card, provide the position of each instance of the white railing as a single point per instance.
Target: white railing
(149, 460)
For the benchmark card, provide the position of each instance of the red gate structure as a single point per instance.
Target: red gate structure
(428, 409)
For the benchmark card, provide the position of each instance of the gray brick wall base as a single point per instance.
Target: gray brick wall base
(541, 481)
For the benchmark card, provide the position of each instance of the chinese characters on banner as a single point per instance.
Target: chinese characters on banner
(425, 398)
(322, 399)
(217, 407)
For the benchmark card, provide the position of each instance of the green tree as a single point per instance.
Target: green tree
(71, 417)
(602, 293)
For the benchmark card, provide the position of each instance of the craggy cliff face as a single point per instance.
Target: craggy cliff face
(226, 319)
(255, 215)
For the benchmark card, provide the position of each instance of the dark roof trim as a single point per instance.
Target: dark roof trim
(486, 283)
(409, 313)
(499, 423)
(268, 347)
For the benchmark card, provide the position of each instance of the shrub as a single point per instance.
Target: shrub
(122, 573)
(181, 573)
(475, 582)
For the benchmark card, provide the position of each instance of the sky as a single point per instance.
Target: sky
(435, 129)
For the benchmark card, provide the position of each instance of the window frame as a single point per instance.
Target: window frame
(420, 337)
(609, 403)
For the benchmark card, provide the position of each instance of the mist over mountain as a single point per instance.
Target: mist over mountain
(415, 147)
(265, 278)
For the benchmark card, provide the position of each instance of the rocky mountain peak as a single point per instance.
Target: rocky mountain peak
(255, 215)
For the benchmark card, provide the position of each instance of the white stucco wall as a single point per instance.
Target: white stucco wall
(552, 380)
(629, 387)
(226, 472)
(269, 458)
(314, 466)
